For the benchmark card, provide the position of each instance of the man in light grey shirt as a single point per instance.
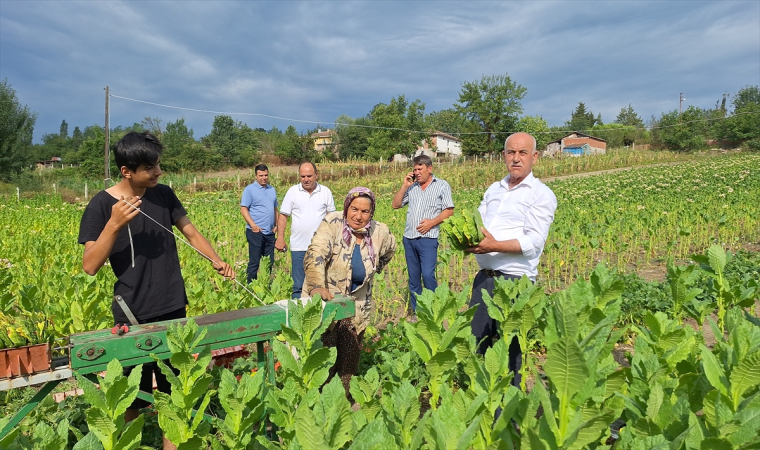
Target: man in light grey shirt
(430, 203)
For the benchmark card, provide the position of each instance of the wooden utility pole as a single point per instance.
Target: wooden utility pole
(106, 149)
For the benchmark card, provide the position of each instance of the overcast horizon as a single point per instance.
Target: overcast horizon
(310, 62)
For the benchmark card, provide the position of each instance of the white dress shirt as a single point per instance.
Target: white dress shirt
(525, 213)
(306, 211)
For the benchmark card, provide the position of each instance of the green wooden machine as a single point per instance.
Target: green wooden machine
(90, 353)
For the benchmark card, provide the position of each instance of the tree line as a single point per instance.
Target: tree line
(485, 112)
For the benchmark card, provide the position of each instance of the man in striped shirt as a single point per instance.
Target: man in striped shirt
(430, 203)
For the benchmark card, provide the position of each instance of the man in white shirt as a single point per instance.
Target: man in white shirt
(517, 212)
(307, 203)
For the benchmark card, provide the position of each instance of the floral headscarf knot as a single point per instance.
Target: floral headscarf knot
(347, 230)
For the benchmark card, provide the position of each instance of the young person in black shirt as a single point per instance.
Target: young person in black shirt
(143, 255)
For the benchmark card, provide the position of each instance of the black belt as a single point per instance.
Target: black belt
(494, 273)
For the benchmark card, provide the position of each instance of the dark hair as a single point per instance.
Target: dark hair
(307, 162)
(137, 148)
(261, 168)
(423, 159)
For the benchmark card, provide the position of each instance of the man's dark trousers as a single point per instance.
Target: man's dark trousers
(484, 328)
(421, 258)
(259, 245)
(297, 272)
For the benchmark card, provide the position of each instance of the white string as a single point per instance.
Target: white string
(627, 127)
(191, 246)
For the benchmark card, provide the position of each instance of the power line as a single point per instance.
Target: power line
(473, 133)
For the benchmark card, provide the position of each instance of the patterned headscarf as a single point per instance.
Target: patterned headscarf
(347, 230)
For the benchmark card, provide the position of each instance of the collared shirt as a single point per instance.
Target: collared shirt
(307, 210)
(425, 204)
(261, 202)
(525, 213)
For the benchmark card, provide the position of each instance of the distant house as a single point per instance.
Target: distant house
(576, 144)
(441, 145)
(49, 164)
(324, 140)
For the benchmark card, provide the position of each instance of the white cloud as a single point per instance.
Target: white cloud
(317, 60)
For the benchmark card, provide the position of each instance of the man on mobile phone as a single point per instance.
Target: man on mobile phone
(430, 203)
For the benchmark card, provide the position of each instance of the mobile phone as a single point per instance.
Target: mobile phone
(414, 177)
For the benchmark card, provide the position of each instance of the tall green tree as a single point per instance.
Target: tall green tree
(400, 128)
(222, 138)
(153, 124)
(743, 125)
(235, 142)
(493, 106)
(293, 148)
(747, 96)
(537, 127)
(687, 131)
(582, 120)
(352, 136)
(64, 131)
(628, 117)
(16, 130)
(176, 139)
(447, 120)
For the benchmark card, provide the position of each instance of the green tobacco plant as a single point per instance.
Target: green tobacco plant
(327, 425)
(365, 391)
(454, 424)
(579, 403)
(732, 368)
(310, 368)
(43, 437)
(176, 412)
(695, 398)
(664, 388)
(440, 347)
(303, 375)
(281, 405)
(105, 416)
(713, 263)
(516, 306)
(684, 296)
(491, 392)
(401, 412)
(242, 401)
(87, 311)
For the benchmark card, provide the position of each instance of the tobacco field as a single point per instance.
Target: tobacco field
(689, 378)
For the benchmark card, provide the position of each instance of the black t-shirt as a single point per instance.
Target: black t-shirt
(150, 282)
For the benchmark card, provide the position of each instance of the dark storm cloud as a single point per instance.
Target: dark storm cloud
(317, 60)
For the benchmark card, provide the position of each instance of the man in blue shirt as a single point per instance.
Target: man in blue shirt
(430, 203)
(259, 209)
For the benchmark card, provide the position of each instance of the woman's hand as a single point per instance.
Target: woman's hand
(323, 292)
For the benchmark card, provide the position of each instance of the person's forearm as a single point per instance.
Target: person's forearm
(197, 240)
(204, 246)
(96, 254)
(445, 214)
(247, 217)
(282, 221)
(398, 198)
(509, 246)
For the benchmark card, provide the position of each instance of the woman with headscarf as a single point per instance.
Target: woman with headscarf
(343, 257)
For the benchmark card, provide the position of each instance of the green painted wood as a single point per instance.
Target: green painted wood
(91, 351)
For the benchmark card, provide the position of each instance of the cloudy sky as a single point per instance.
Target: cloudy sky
(309, 62)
